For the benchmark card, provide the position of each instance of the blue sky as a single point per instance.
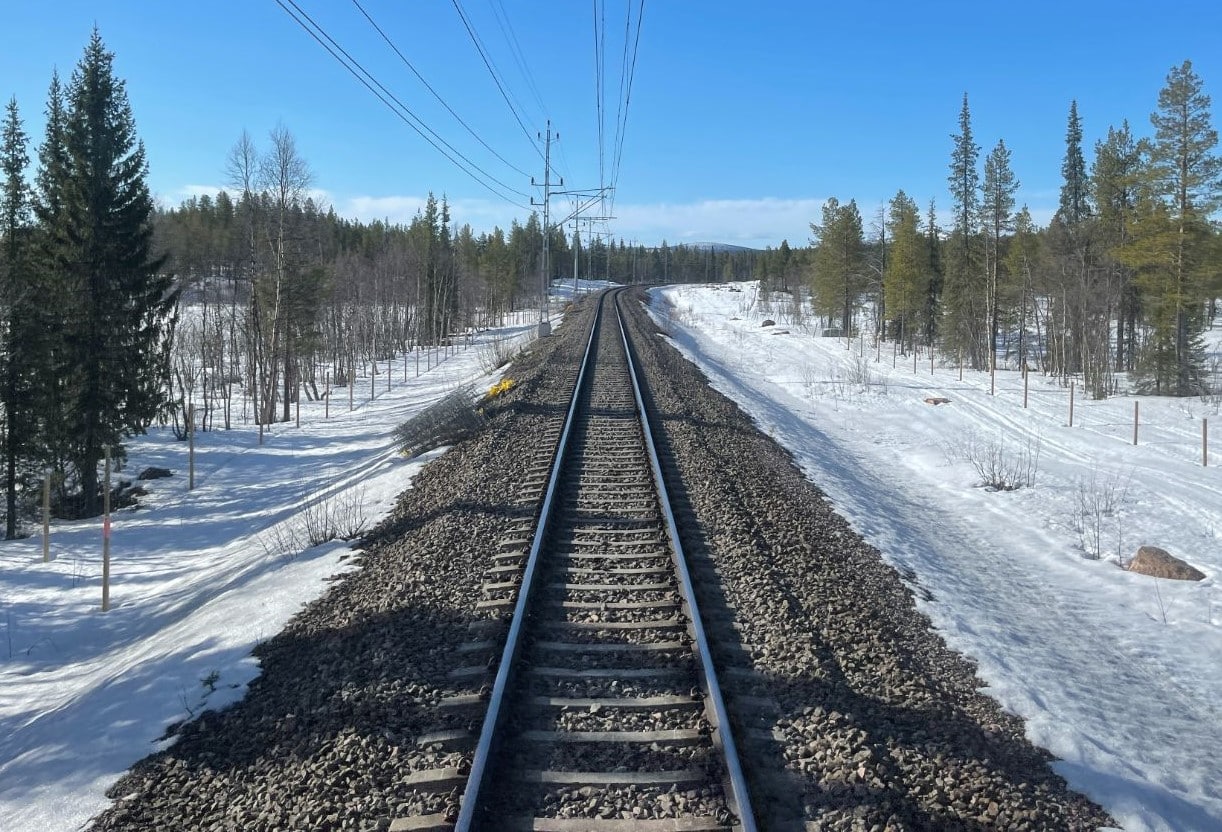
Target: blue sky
(744, 117)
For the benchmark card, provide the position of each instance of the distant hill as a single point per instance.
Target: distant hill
(717, 247)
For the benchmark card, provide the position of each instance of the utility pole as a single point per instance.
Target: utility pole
(585, 199)
(576, 253)
(545, 325)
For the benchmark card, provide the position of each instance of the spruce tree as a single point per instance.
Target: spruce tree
(116, 305)
(964, 306)
(18, 300)
(49, 200)
(1115, 178)
(1075, 190)
(997, 213)
(1022, 263)
(1079, 344)
(933, 265)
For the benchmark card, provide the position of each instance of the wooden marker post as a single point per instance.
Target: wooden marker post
(1071, 389)
(46, 515)
(106, 533)
(258, 417)
(190, 447)
(1136, 415)
(1026, 381)
(373, 378)
(297, 404)
(387, 375)
(327, 396)
(351, 382)
(960, 364)
(915, 350)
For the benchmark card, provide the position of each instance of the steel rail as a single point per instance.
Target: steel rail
(484, 749)
(738, 782)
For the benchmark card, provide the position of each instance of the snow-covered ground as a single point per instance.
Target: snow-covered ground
(1118, 674)
(197, 579)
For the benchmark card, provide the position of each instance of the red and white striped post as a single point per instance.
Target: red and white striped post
(106, 532)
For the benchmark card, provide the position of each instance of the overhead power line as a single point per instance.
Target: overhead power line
(479, 47)
(402, 111)
(429, 87)
(622, 122)
(598, 94)
(515, 49)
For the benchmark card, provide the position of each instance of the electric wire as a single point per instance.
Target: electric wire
(398, 108)
(515, 49)
(598, 97)
(636, 45)
(429, 87)
(479, 47)
(623, 77)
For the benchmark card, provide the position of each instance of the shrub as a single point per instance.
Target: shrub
(447, 421)
(1001, 465)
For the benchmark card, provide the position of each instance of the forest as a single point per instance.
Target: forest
(1120, 284)
(118, 313)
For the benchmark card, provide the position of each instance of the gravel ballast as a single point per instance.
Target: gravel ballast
(879, 724)
(325, 737)
(869, 722)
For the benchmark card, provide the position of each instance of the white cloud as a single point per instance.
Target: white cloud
(749, 222)
(481, 214)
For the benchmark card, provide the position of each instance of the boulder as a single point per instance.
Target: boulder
(154, 473)
(1159, 563)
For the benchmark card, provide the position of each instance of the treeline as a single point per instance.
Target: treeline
(282, 291)
(1125, 277)
(115, 314)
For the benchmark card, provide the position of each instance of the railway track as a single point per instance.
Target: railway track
(605, 712)
(372, 701)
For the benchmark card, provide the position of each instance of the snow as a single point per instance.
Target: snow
(1117, 674)
(197, 579)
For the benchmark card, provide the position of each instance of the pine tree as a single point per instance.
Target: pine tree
(116, 306)
(1188, 175)
(964, 327)
(839, 262)
(906, 276)
(1150, 251)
